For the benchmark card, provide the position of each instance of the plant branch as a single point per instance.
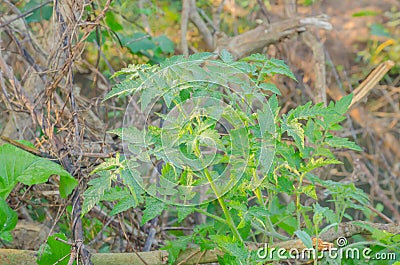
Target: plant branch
(201, 25)
(221, 202)
(184, 25)
(256, 39)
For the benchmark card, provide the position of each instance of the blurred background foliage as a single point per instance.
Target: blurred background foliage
(384, 41)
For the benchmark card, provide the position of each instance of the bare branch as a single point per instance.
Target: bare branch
(256, 39)
(184, 25)
(201, 25)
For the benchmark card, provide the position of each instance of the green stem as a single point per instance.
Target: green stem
(260, 198)
(298, 213)
(219, 219)
(229, 220)
(316, 228)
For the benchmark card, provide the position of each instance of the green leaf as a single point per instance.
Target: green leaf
(274, 105)
(309, 2)
(154, 207)
(133, 72)
(168, 172)
(166, 45)
(67, 185)
(320, 162)
(257, 57)
(343, 104)
(245, 67)
(275, 66)
(320, 212)
(167, 187)
(140, 42)
(309, 191)
(379, 30)
(6, 236)
(200, 56)
(125, 88)
(55, 252)
(173, 61)
(148, 94)
(183, 212)
(98, 186)
(307, 111)
(19, 165)
(385, 237)
(130, 135)
(225, 56)
(305, 238)
(8, 220)
(228, 245)
(109, 164)
(346, 192)
(112, 22)
(342, 143)
(364, 13)
(270, 87)
(43, 13)
(131, 178)
(123, 205)
(210, 137)
(294, 129)
(240, 142)
(287, 152)
(115, 194)
(175, 247)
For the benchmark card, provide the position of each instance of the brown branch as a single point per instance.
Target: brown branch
(350, 229)
(290, 8)
(19, 92)
(319, 65)
(89, 27)
(217, 15)
(184, 25)
(318, 51)
(256, 39)
(371, 81)
(27, 148)
(201, 25)
(264, 10)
